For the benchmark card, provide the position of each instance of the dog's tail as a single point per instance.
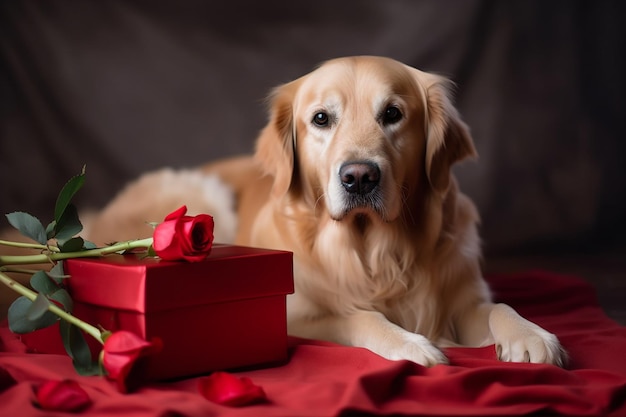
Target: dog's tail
(156, 194)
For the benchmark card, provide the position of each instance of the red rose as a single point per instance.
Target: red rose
(226, 389)
(184, 237)
(121, 351)
(64, 395)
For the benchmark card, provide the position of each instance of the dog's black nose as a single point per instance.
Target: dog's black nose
(359, 177)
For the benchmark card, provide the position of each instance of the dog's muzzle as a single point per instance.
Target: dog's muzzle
(362, 191)
(359, 178)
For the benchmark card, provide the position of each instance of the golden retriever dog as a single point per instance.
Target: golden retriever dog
(353, 175)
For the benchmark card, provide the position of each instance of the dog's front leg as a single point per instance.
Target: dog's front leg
(370, 330)
(516, 339)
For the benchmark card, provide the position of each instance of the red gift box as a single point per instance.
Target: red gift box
(228, 311)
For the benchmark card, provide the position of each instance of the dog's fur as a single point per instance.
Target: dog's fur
(386, 249)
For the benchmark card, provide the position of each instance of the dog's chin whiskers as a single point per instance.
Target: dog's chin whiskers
(368, 208)
(380, 208)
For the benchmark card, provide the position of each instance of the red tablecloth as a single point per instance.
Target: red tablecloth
(323, 379)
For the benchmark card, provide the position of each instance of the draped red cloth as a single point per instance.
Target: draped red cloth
(323, 379)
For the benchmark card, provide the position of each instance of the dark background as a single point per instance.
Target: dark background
(129, 86)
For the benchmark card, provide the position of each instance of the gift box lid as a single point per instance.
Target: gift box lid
(130, 282)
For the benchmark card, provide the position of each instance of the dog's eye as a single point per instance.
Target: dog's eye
(321, 119)
(391, 115)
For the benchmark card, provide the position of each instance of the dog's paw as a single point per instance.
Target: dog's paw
(523, 341)
(537, 347)
(416, 348)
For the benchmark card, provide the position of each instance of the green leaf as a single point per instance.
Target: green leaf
(75, 244)
(90, 369)
(50, 229)
(41, 282)
(37, 308)
(89, 245)
(57, 273)
(19, 322)
(63, 297)
(68, 225)
(77, 349)
(28, 225)
(66, 194)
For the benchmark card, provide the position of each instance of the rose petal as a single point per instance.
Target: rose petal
(176, 214)
(64, 395)
(125, 342)
(183, 232)
(166, 241)
(196, 235)
(226, 389)
(202, 232)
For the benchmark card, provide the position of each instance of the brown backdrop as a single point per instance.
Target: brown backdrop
(128, 86)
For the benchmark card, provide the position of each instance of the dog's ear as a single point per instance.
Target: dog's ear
(275, 148)
(447, 137)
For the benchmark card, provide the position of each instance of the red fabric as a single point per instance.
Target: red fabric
(323, 379)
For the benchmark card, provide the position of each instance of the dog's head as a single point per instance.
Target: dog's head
(359, 135)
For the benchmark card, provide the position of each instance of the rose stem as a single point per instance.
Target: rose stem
(32, 295)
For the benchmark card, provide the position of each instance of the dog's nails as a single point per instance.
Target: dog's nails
(499, 352)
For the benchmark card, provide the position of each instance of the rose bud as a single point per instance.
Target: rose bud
(184, 237)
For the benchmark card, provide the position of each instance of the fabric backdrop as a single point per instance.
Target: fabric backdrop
(128, 86)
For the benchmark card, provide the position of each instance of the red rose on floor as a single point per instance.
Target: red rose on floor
(64, 395)
(120, 353)
(184, 237)
(227, 389)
